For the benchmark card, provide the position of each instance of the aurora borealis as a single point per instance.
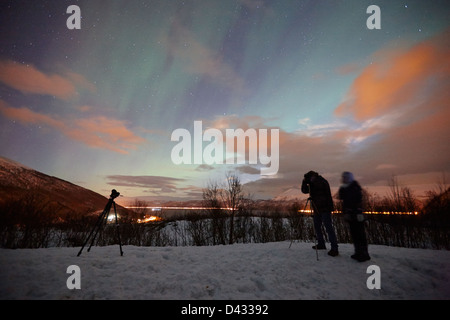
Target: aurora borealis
(97, 106)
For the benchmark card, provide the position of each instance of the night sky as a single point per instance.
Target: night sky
(97, 106)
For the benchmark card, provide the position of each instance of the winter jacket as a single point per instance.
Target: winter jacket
(320, 193)
(351, 197)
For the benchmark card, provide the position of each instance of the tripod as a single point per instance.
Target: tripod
(102, 219)
(314, 209)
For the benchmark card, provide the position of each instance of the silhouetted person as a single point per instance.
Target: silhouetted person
(351, 195)
(320, 194)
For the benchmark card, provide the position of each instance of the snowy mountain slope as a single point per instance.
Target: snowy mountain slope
(18, 182)
(269, 271)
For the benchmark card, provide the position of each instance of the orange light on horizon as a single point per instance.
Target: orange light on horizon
(149, 219)
(415, 213)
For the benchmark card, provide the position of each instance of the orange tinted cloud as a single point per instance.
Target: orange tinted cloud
(105, 133)
(28, 79)
(398, 79)
(97, 132)
(420, 147)
(400, 103)
(26, 115)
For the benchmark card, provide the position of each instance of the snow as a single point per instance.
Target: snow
(270, 271)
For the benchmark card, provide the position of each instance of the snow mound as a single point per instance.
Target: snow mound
(270, 271)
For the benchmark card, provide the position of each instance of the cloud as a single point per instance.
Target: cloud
(385, 166)
(402, 99)
(29, 80)
(156, 184)
(192, 192)
(234, 121)
(248, 170)
(97, 132)
(399, 79)
(204, 168)
(26, 115)
(310, 129)
(394, 121)
(414, 143)
(416, 148)
(104, 133)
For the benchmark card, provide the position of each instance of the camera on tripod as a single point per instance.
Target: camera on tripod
(102, 221)
(114, 194)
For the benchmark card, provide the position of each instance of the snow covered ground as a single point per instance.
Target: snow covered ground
(241, 271)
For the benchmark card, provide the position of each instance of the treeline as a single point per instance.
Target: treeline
(29, 223)
(249, 226)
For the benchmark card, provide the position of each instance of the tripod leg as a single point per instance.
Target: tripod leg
(317, 249)
(96, 226)
(316, 244)
(117, 227)
(102, 221)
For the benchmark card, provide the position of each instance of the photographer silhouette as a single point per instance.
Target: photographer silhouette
(320, 194)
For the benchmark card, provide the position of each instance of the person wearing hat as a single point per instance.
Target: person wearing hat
(350, 193)
(322, 203)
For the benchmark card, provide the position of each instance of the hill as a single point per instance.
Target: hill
(20, 184)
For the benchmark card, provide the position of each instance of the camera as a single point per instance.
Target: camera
(114, 194)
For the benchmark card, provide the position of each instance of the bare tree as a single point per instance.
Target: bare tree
(442, 185)
(140, 208)
(212, 200)
(395, 194)
(211, 196)
(232, 196)
(229, 197)
(401, 199)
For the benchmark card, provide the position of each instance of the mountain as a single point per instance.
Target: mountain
(20, 184)
(292, 194)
